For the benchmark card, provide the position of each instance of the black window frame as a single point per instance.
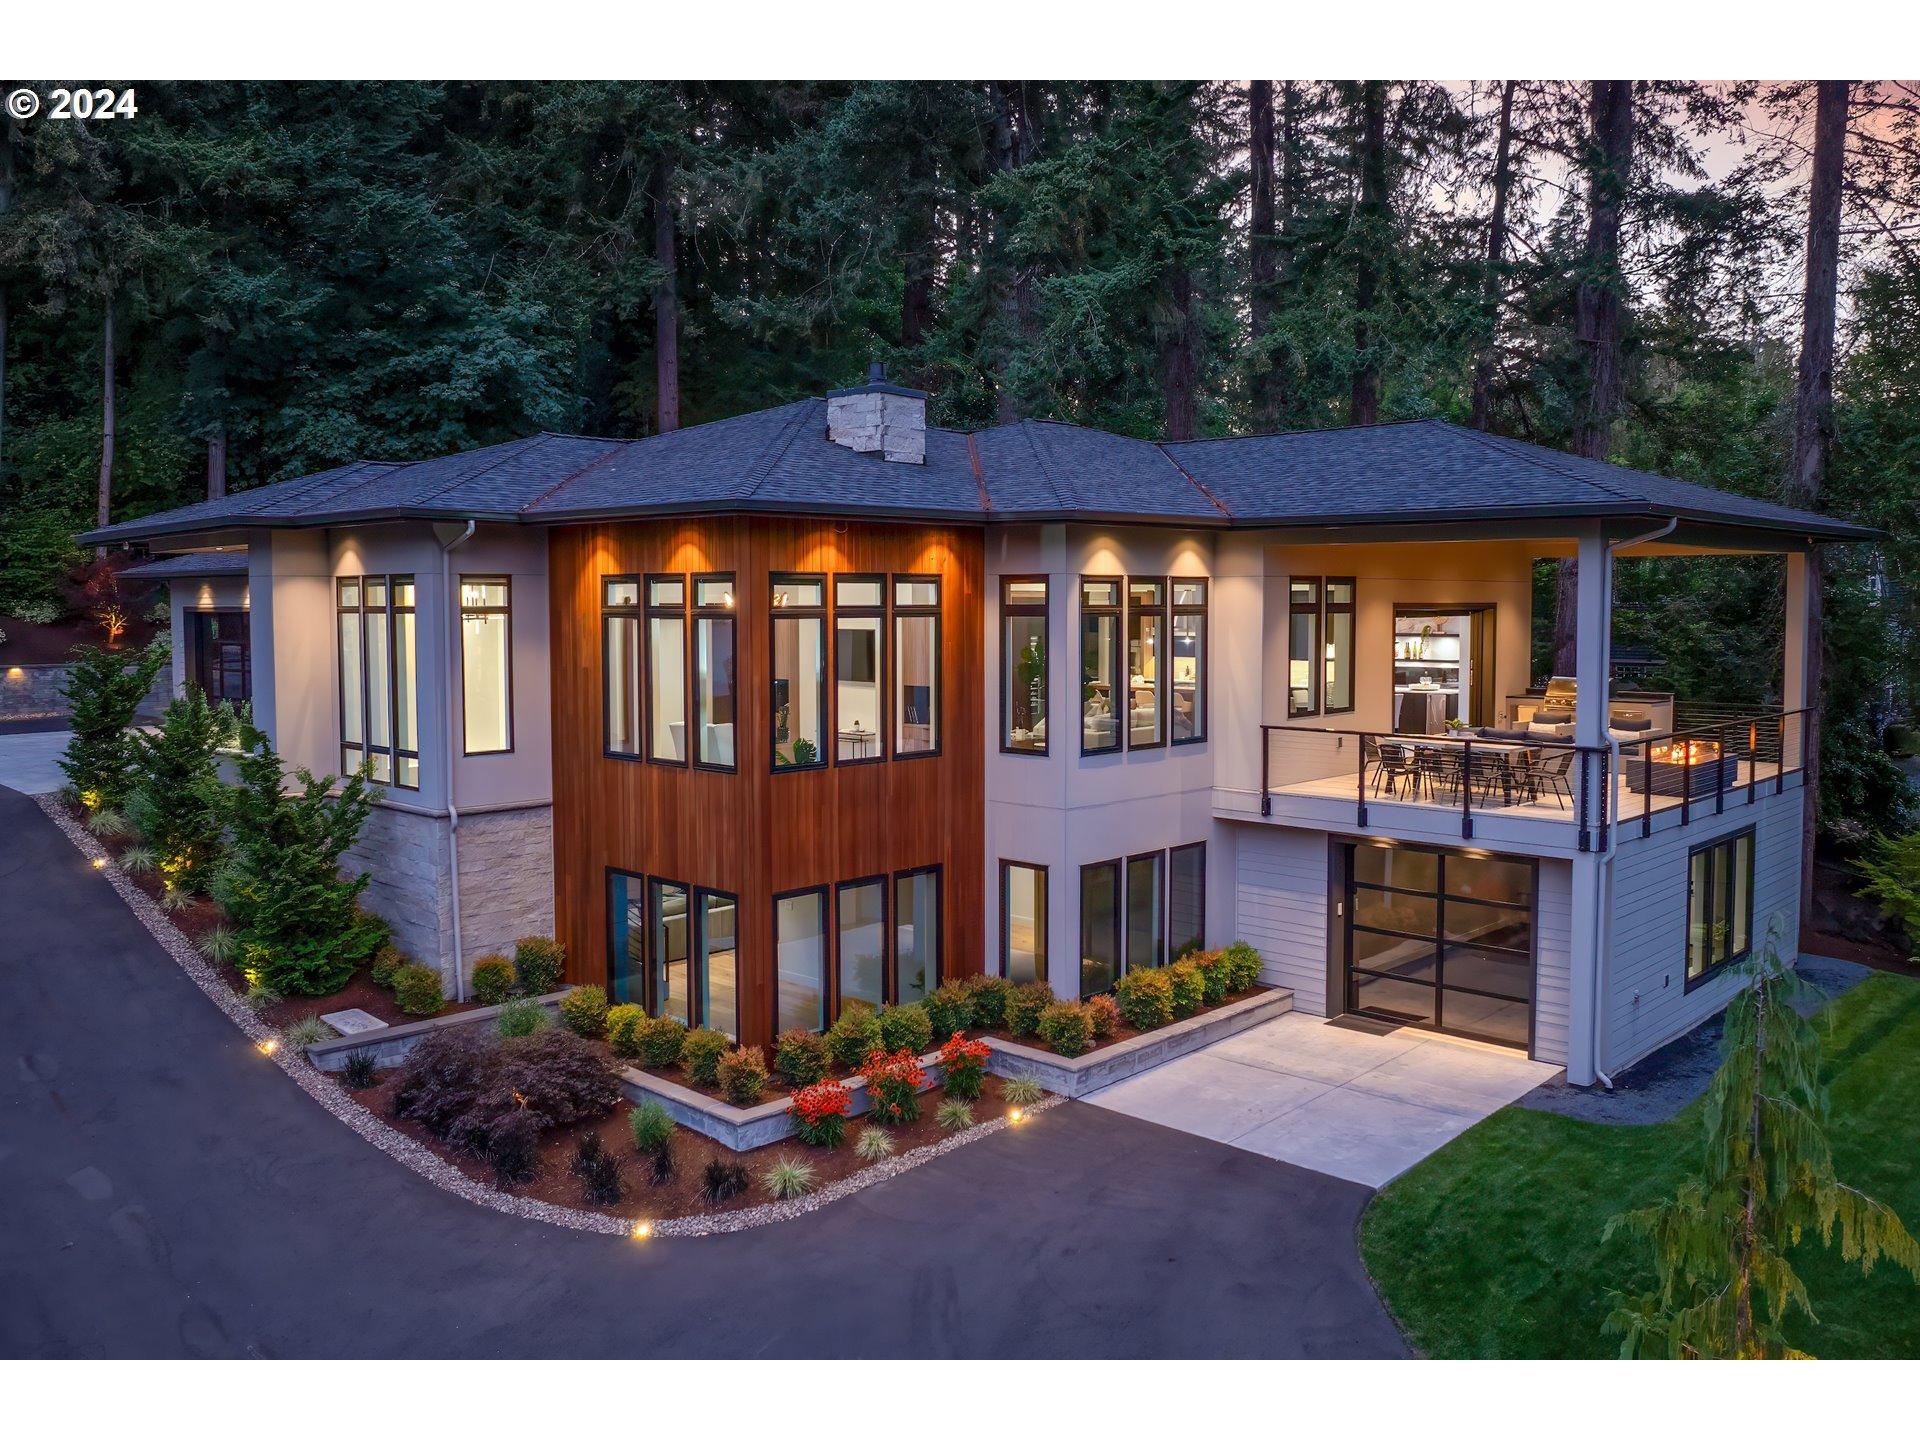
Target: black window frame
(636, 614)
(1203, 701)
(829, 736)
(646, 1001)
(1163, 722)
(1316, 647)
(938, 700)
(656, 964)
(1116, 659)
(1164, 894)
(1118, 866)
(505, 582)
(649, 612)
(882, 646)
(1011, 610)
(1006, 917)
(697, 612)
(1691, 981)
(1201, 944)
(827, 936)
(1330, 607)
(386, 613)
(885, 882)
(697, 956)
(938, 872)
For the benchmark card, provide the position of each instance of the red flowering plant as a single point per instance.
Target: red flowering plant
(893, 1081)
(963, 1065)
(820, 1111)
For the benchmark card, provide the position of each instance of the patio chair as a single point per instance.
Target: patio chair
(1390, 766)
(1547, 775)
(1441, 768)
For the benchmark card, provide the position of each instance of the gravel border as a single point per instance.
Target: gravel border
(417, 1157)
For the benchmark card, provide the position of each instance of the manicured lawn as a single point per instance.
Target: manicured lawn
(1492, 1246)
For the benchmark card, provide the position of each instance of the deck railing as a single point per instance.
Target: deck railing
(1731, 761)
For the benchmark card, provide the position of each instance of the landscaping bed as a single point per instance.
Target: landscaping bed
(1492, 1246)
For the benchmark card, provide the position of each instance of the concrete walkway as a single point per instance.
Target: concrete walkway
(28, 760)
(1361, 1107)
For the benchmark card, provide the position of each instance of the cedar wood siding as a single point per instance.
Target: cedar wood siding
(751, 833)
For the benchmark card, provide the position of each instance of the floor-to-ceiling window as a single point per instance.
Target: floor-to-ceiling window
(627, 939)
(799, 641)
(1023, 921)
(1099, 927)
(862, 926)
(1187, 898)
(668, 910)
(916, 935)
(719, 959)
(1146, 910)
(1719, 905)
(800, 960)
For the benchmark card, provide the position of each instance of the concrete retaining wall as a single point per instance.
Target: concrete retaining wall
(1084, 1074)
(390, 1046)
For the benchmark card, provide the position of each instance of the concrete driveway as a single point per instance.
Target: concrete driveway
(29, 755)
(1361, 1107)
(165, 1192)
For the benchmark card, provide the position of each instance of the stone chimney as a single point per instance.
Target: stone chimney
(879, 416)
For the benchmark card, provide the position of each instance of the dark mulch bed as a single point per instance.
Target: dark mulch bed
(1121, 1030)
(641, 1200)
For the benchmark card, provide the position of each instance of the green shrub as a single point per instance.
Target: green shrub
(989, 996)
(583, 1010)
(722, 1180)
(540, 963)
(520, 1016)
(623, 1029)
(416, 990)
(652, 1127)
(906, 1027)
(954, 1115)
(873, 1144)
(387, 961)
(660, 1039)
(1243, 966)
(789, 1179)
(854, 1036)
(700, 1052)
(1065, 1028)
(1022, 1089)
(1024, 1004)
(1214, 974)
(1893, 878)
(950, 1008)
(801, 1057)
(176, 799)
(103, 691)
(307, 1030)
(741, 1074)
(492, 978)
(360, 1071)
(1102, 1016)
(1188, 988)
(1145, 998)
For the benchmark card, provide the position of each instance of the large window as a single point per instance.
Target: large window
(800, 961)
(666, 708)
(486, 663)
(916, 665)
(1338, 694)
(1719, 905)
(1023, 664)
(713, 670)
(620, 642)
(859, 629)
(379, 716)
(1187, 898)
(1146, 663)
(719, 961)
(916, 935)
(799, 671)
(1303, 647)
(1189, 661)
(1023, 921)
(1099, 927)
(627, 940)
(862, 918)
(671, 979)
(1146, 910)
(1102, 696)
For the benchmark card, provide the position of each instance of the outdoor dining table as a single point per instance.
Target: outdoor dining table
(1494, 762)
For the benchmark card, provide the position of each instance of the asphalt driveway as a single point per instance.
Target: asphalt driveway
(165, 1192)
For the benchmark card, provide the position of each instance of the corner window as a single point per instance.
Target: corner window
(719, 961)
(379, 712)
(627, 940)
(1099, 927)
(859, 630)
(799, 672)
(862, 920)
(916, 665)
(670, 982)
(1338, 693)
(620, 671)
(1146, 664)
(1187, 898)
(1189, 661)
(1303, 647)
(1146, 910)
(1023, 664)
(800, 961)
(1719, 905)
(713, 671)
(1102, 696)
(666, 708)
(1023, 922)
(916, 935)
(486, 649)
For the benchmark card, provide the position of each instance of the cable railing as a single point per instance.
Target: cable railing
(1732, 760)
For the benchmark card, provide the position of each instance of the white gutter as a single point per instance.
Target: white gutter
(1603, 910)
(447, 547)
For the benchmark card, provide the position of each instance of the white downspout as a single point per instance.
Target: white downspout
(1603, 912)
(447, 547)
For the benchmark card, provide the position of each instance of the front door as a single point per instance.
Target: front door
(1440, 939)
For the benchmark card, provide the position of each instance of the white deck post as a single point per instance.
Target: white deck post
(1592, 664)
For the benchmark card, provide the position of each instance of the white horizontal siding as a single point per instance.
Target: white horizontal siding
(1553, 961)
(1647, 999)
(1281, 909)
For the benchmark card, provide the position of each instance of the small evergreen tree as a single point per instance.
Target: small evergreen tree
(299, 920)
(103, 691)
(177, 800)
(1721, 1246)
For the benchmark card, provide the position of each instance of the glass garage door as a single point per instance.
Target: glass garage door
(1442, 940)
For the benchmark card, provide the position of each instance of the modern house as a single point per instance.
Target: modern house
(819, 703)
